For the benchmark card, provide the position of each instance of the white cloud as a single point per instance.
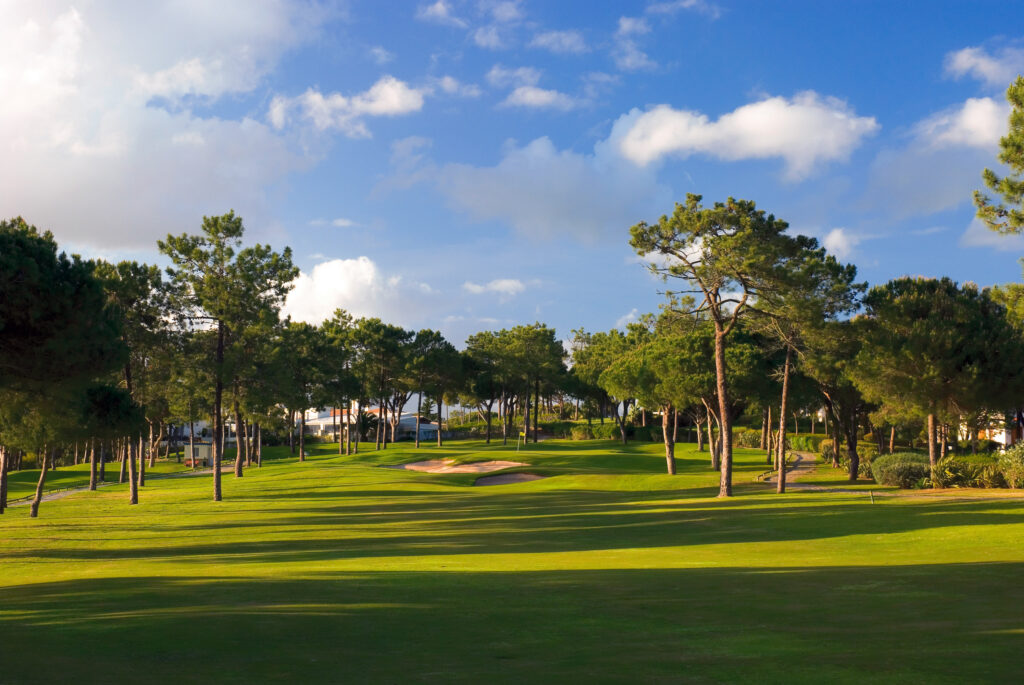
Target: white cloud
(359, 287)
(387, 97)
(841, 243)
(979, 122)
(452, 86)
(380, 55)
(994, 70)
(539, 98)
(501, 76)
(633, 26)
(439, 12)
(544, 192)
(979, 235)
(560, 42)
(502, 286)
(805, 131)
(488, 37)
(505, 12)
(103, 117)
(674, 6)
(627, 54)
(625, 319)
(342, 222)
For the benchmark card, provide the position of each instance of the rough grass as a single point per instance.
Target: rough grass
(337, 570)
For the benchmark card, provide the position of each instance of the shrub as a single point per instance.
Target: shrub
(903, 469)
(803, 442)
(957, 472)
(1011, 466)
(747, 437)
(582, 433)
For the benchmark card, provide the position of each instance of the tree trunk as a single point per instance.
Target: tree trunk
(122, 459)
(291, 431)
(536, 408)
(892, 438)
(419, 408)
(103, 463)
(932, 451)
(152, 445)
(92, 464)
(133, 476)
(258, 438)
(192, 442)
(712, 445)
(670, 448)
(851, 451)
(724, 417)
(142, 461)
(302, 435)
(3, 478)
(488, 421)
(239, 442)
(700, 435)
(781, 487)
(440, 404)
(769, 439)
(43, 468)
(944, 434)
(764, 427)
(218, 398)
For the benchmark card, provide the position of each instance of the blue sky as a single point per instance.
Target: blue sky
(477, 164)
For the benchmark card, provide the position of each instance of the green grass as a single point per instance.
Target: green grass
(337, 570)
(21, 484)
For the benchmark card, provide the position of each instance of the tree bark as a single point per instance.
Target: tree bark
(781, 487)
(3, 478)
(44, 467)
(258, 438)
(724, 418)
(670, 448)
(92, 464)
(218, 425)
(103, 463)
(769, 439)
(932, 451)
(291, 431)
(440, 404)
(142, 461)
(536, 408)
(419, 408)
(302, 435)
(892, 438)
(239, 441)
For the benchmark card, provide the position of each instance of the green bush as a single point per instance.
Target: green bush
(903, 469)
(1011, 466)
(582, 433)
(958, 472)
(806, 442)
(746, 437)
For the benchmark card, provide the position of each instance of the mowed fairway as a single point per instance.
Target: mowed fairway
(337, 570)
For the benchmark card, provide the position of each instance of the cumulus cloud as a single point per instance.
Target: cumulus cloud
(503, 286)
(627, 319)
(997, 70)
(560, 42)
(701, 6)
(387, 97)
(488, 37)
(540, 98)
(841, 243)
(103, 117)
(440, 12)
(626, 52)
(979, 235)
(452, 86)
(357, 286)
(544, 192)
(380, 55)
(979, 122)
(805, 131)
(505, 11)
(501, 76)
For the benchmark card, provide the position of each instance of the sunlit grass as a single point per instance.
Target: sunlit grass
(608, 570)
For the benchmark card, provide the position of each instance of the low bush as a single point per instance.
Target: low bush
(582, 433)
(903, 469)
(806, 442)
(746, 437)
(958, 472)
(1011, 466)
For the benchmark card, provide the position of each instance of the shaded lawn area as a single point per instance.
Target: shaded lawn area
(338, 570)
(22, 484)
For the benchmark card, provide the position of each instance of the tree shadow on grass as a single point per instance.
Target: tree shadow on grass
(856, 624)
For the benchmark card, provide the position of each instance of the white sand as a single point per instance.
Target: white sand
(449, 466)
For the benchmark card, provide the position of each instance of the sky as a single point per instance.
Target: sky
(467, 165)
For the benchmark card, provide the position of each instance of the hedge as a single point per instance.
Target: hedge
(903, 469)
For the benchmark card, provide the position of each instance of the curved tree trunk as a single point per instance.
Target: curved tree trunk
(724, 417)
(781, 487)
(44, 467)
(670, 448)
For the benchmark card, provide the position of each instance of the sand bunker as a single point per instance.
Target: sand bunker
(506, 478)
(449, 466)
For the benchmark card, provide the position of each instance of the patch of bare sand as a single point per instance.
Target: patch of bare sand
(506, 478)
(449, 466)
